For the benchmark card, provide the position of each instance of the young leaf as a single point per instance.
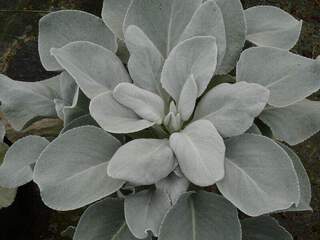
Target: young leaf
(260, 177)
(145, 62)
(263, 228)
(147, 105)
(142, 161)
(304, 182)
(113, 14)
(16, 169)
(94, 68)
(235, 28)
(144, 211)
(62, 27)
(104, 220)
(114, 117)
(163, 21)
(18, 98)
(232, 108)
(201, 216)
(270, 26)
(196, 56)
(281, 72)
(293, 124)
(2, 131)
(72, 171)
(200, 152)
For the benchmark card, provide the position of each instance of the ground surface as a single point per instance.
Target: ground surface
(28, 218)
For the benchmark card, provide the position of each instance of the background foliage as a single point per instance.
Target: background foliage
(28, 218)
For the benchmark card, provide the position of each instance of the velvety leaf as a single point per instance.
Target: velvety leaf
(270, 26)
(145, 63)
(163, 21)
(304, 182)
(174, 186)
(142, 161)
(201, 216)
(104, 220)
(114, 117)
(232, 108)
(72, 171)
(144, 211)
(293, 124)
(7, 196)
(94, 68)
(263, 228)
(84, 120)
(147, 105)
(289, 77)
(200, 152)
(235, 28)
(188, 98)
(2, 131)
(68, 88)
(16, 169)
(196, 56)
(254, 129)
(18, 98)
(113, 14)
(208, 21)
(62, 27)
(260, 177)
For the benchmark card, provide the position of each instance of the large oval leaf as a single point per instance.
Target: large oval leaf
(144, 211)
(232, 108)
(269, 26)
(260, 177)
(289, 77)
(104, 220)
(263, 228)
(142, 161)
(95, 68)
(114, 117)
(293, 124)
(62, 27)
(196, 56)
(163, 21)
(72, 171)
(200, 152)
(16, 169)
(201, 216)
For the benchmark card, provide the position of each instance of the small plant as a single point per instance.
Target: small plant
(150, 131)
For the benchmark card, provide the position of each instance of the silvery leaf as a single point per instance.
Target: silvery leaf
(94, 68)
(254, 129)
(16, 169)
(188, 98)
(62, 27)
(196, 56)
(263, 228)
(235, 28)
(174, 186)
(163, 21)
(72, 171)
(200, 152)
(232, 108)
(18, 98)
(104, 220)
(293, 124)
(114, 117)
(202, 216)
(2, 131)
(144, 211)
(146, 104)
(145, 62)
(304, 182)
(208, 21)
(68, 88)
(289, 77)
(260, 177)
(269, 26)
(113, 14)
(84, 120)
(142, 161)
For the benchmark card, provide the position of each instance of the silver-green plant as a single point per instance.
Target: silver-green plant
(149, 130)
